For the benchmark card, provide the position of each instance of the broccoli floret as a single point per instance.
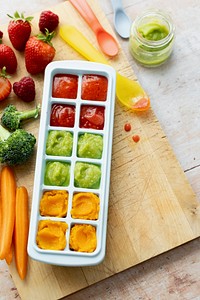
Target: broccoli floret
(12, 118)
(15, 147)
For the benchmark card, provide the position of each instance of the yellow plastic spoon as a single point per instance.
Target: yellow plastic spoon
(129, 92)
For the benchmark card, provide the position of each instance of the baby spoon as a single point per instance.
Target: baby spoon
(129, 92)
(121, 20)
(105, 40)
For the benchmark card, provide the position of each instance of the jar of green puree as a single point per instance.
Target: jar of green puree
(151, 39)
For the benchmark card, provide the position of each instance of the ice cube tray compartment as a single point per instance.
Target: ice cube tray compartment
(102, 137)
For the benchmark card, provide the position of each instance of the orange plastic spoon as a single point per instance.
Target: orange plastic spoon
(105, 40)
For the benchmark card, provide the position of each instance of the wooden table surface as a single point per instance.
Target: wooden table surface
(174, 92)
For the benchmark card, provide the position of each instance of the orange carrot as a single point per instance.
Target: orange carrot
(8, 198)
(9, 256)
(21, 231)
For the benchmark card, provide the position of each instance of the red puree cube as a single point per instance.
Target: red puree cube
(94, 87)
(62, 115)
(65, 86)
(92, 117)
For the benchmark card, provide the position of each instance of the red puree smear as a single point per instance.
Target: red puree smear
(65, 86)
(136, 138)
(94, 87)
(92, 117)
(127, 127)
(62, 115)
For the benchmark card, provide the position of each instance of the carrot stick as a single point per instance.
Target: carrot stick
(9, 256)
(8, 198)
(21, 231)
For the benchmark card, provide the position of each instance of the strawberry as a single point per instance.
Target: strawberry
(7, 57)
(25, 89)
(39, 52)
(19, 30)
(48, 20)
(5, 85)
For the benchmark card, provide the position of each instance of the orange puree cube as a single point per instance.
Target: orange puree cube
(85, 206)
(51, 235)
(83, 238)
(54, 203)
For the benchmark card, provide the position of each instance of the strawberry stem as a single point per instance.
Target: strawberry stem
(17, 17)
(47, 37)
(3, 73)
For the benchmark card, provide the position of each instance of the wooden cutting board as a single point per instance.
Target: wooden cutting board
(152, 207)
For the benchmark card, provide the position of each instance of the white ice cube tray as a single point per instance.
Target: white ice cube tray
(68, 257)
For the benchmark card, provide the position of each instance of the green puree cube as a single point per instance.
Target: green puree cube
(87, 175)
(57, 173)
(59, 143)
(90, 145)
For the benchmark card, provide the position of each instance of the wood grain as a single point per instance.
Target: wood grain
(152, 206)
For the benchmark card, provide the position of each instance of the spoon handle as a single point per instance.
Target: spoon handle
(117, 4)
(77, 41)
(87, 13)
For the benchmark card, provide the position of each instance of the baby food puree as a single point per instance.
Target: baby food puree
(65, 86)
(62, 115)
(92, 117)
(51, 235)
(87, 175)
(83, 238)
(94, 87)
(59, 143)
(54, 203)
(153, 31)
(85, 206)
(90, 145)
(57, 173)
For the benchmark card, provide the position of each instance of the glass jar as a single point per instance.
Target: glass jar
(151, 38)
